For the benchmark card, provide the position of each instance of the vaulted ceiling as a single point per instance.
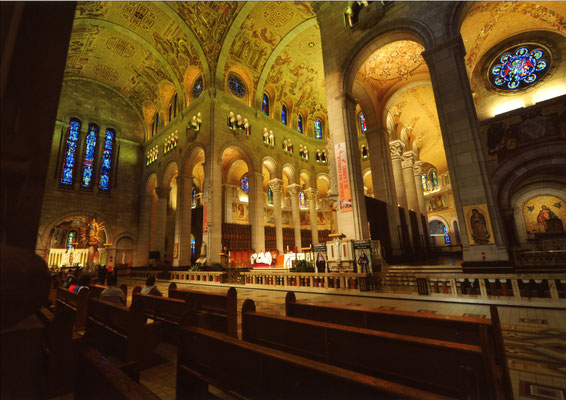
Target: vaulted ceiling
(145, 50)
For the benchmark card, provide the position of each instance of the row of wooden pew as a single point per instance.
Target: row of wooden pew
(313, 351)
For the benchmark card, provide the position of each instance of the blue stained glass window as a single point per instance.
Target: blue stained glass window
(302, 200)
(194, 203)
(423, 182)
(106, 166)
(269, 196)
(517, 67)
(236, 86)
(244, 184)
(70, 152)
(434, 179)
(193, 246)
(317, 129)
(265, 104)
(300, 124)
(72, 239)
(363, 125)
(284, 115)
(197, 87)
(88, 160)
(447, 239)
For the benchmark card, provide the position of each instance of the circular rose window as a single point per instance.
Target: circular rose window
(519, 67)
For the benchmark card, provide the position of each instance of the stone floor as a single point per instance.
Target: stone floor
(535, 338)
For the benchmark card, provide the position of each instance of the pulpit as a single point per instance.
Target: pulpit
(225, 259)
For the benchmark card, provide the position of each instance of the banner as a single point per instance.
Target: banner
(343, 180)
(205, 217)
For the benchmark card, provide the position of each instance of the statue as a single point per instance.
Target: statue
(265, 136)
(271, 139)
(247, 127)
(232, 120)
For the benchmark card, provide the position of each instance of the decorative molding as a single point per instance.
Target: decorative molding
(162, 192)
(396, 147)
(276, 185)
(294, 189)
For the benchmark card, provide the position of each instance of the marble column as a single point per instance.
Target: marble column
(212, 210)
(183, 220)
(418, 171)
(407, 163)
(294, 191)
(396, 147)
(312, 197)
(162, 197)
(257, 210)
(276, 186)
(465, 152)
(142, 245)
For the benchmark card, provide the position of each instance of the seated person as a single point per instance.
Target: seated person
(268, 259)
(260, 258)
(253, 258)
(112, 293)
(84, 281)
(150, 287)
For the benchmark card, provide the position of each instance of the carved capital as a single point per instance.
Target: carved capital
(162, 192)
(276, 185)
(409, 158)
(396, 147)
(418, 168)
(294, 189)
(312, 194)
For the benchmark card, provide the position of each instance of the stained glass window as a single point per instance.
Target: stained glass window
(363, 125)
(236, 86)
(521, 66)
(302, 200)
(317, 129)
(284, 114)
(70, 152)
(423, 182)
(269, 196)
(194, 203)
(106, 164)
(88, 159)
(300, 124)
(434, 179)
(244, 184)
(447, 239)
(197, 87)
(265, 104)
(71, 239)
(193, 246)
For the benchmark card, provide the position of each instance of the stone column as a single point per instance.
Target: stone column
(407, 163)
(276, 186)
(257, 210)
(312, 196)
(142, 245)
(183, 220)
(418, 171)
(294, 191)
(162, 197)
(212, 207)
(465, 152)
(396, 147)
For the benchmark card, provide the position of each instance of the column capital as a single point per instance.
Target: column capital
(453, 44)
(408, 159)
(311, 193)
(396, 147)
(294, 189)
(162, 192)
(276, 185)
(418, 168)
(183, 178)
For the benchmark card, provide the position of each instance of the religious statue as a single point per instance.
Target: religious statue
(285, 145)
(301, 151)
(271, 139)
(232, 120)
(323, 156)
(318, 155)
(265, 136)
(549, 220)
(247, 127)
(364, 151)
(239, 122)
(306, 153)
(196, 122)
(363, 262)
(478, 225)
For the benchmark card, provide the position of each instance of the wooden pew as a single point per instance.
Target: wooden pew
(218, 312)
(77, 303)
(464, 330)
(96, 290)
(101, 378)
(447, 368)
(121, 331)
(247, 370)
(60, 349)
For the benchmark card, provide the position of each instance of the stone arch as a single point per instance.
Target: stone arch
(170, 170)
(306, 177)
(150, 184)
(453, 18)
(289, 171)
(271, 166)
(191, 156)
(247, 157)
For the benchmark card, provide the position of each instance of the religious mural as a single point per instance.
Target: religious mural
(285, 218)
(544, 214)
(504, 137)
(269, 216)
(436, 202)
(240, 213)
(478, 225)
(305, 218)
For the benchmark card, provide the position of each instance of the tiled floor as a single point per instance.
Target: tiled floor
(535, 338)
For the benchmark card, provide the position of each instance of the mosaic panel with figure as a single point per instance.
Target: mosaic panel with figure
(544, 214)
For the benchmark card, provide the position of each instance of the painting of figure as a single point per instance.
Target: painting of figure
(549, 220)
(544, 214)
(478, 225)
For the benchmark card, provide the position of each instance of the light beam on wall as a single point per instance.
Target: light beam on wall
(503, 107)
(548, 93)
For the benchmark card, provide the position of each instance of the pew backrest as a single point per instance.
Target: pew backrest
(77, 303)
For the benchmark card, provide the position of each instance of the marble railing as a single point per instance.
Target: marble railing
(342, 281)
(212, 277)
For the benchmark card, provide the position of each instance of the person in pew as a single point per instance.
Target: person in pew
(150, 287)
(112, 293)
(102, 274)
(84, 281)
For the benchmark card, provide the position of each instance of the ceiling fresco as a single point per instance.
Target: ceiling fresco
(415, 111)
(262, 30)
(394, 63)
(488, 23)
(299, 75)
